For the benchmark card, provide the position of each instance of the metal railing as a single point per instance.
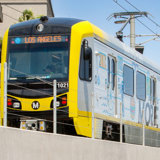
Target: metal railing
(124, 132)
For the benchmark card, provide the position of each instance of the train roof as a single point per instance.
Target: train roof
(129, 52)
(132, 53)
(64, 25)
(52, 25)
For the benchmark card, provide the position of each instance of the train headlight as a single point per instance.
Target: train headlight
(40, 27)
(13, 103)
(16, 105)
(61, 101)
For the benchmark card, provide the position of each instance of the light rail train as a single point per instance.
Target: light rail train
(95, 73)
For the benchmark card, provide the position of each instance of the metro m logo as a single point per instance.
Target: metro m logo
(35, 105)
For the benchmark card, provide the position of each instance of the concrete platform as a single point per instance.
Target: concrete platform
(16, 144)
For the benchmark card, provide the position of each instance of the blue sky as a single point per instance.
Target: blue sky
(96, 11)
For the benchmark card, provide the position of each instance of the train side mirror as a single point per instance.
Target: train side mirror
(87, 50)
(85, 72)
(87, 53)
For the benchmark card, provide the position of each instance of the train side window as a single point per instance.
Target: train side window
(113, 74)
(141, 86)
(85, 71)
(153, 98)
(108, 70)
(128, 79)
(153, 90)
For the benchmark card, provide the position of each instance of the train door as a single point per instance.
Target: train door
(112, 84)
(153, 99)
(105, 89)
(85, 78)
(82, 121)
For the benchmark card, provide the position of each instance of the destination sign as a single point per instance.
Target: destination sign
(40, 39)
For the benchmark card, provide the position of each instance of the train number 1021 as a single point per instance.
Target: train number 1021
(62, 85)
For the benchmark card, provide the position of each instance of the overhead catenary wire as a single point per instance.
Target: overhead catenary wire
(116, 1)
(140, 11)
(68, 124)
(59, 122)
(38, 78)
(30, 76)
(85, 127)
(51, 121)
(34, 90)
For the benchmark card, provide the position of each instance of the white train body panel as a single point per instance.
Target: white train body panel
(107, 101)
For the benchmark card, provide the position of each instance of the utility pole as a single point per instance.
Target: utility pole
(132, 31)
(129, 17)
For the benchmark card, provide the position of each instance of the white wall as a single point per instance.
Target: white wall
(18, 144)
(12, 10)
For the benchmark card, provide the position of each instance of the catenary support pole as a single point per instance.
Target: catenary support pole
(132, 31)
(5, 95)
(121, 124)
(143, 124)
(93, 136)
(54, 106)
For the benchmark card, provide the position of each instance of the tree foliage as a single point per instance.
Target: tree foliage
(1, 40)
(27, 15)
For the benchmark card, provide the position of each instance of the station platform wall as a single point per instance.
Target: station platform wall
(16, 144)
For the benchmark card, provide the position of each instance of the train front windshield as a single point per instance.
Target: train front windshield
(38, 58)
